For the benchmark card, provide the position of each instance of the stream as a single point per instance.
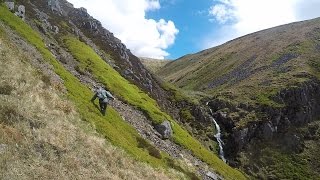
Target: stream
(218, 136)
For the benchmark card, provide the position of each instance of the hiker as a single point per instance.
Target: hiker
(103, 94)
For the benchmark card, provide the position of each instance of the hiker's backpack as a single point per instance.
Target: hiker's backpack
(101, 94)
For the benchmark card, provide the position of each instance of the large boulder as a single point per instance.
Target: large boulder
(55, 6)
(164, 129)
(213, 176)
(21, 12)
(10, 5)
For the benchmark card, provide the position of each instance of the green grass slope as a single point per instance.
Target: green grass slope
(43, 137)
(121, 87)
(112, 126)
(153, 65)
(118, 85)
(254, 67)
(247, 74)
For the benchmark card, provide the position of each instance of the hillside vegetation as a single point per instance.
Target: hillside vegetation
(263, 89)
(137, 98)
(43, 137)
(113, 127)
(254, 67)
(154, 65)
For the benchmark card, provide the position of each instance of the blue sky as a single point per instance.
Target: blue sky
(172, 28)
(193, 23)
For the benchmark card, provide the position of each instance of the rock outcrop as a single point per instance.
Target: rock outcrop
(91, 31)
(21, 9)
(164, 129)
(128, 65)
(44, 18)
(10, 5)
(55, 6)
(268, 131)
(301, 106)
(21, 12)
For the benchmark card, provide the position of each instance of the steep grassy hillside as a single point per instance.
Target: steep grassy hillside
(88, 59)
(43, 137)
(264, 94)
(113, 127)
(253, 67)
(154, 64)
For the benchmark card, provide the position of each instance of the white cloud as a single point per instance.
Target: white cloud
(126, 19)
(152, 5)
(240, 17)
(221, 12)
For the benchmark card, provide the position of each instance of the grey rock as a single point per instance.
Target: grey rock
(241, 72)
(200, 114)
(181, 156)
(55, 29)
(277, 119)
(268, 131)
(3, 147)
(10, 5)
(147, 84)
(128, 72)
(45, 26)
(222, 114)
(42, 16)
(212, 175)
(164, 129)
(84, 12)
(301, 107)
(21, 12)
(293, 142)
(318, 46)
(76, 31)
(196, 163)
(92, 25)
(55, 6)
(284, 59)
(240, 137)
(125, 59)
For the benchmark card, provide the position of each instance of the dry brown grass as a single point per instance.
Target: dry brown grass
(42, 136)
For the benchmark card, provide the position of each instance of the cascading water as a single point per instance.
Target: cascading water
(218, 136)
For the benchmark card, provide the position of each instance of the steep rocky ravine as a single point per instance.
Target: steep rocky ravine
(300, 107)
(42, 136)
(130, 114)
(135, 117)
(263, 91)
(78, 22)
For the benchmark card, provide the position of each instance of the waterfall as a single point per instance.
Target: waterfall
(218, 136)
